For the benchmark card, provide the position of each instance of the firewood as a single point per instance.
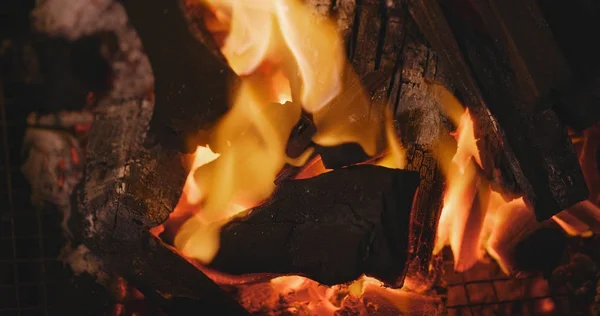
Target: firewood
(331, 228)
(533, 141)
(192, 85)
(523, 30)
(428, 15)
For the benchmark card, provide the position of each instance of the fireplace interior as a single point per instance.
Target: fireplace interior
(299, 157)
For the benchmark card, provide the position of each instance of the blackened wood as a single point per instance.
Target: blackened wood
(382, 37)
(497, 161)
(139, 190)
(536, 144)
(419, 123)
(192, 86)
(331, 228)
(540, 66)
(335, 157)
(548, 171)
(167, 279)
(72, 69)
(521, 29)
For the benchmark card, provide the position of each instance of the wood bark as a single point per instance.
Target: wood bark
(382, 37)
(331, 228)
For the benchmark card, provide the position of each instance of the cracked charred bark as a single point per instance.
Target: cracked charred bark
(331, 228)
(384, 37)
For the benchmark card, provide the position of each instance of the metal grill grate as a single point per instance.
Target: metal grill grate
(486, 290)
(30, 237)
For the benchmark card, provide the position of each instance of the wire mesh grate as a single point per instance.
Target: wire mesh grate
(30, 237)
(486, 290)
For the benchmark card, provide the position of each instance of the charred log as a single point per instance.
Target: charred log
(331, 228)
(420, 124)
(536, 147)
(130, 182)
(192, 85)
(533, 46)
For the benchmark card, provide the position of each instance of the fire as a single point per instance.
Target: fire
(283, 52)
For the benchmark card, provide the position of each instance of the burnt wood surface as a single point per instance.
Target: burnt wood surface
(128, 189)
(331, 228)
(131, 182)
(193, 87)
(383, 37)
(533, 47)
(536, 145)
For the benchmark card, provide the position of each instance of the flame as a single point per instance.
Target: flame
(396, 155)
(271, 30)
(462, 219)
(251, 140)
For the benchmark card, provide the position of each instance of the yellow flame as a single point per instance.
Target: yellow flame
(273, 45)
(202, 156)
(251, 141)
(396, 155)
(271, 30)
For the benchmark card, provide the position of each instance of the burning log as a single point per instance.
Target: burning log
(331, 228)
(548, 176)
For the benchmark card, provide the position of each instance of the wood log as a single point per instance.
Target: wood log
(420, 123)
(496, 161)
(548, 176)
(131, 183)
(536, 49)
(331, 228)
(192, 85)
(383, 37)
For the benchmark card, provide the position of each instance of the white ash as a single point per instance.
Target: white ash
(51, 168)
(132, 80)
(81, 260)
(73, 19)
